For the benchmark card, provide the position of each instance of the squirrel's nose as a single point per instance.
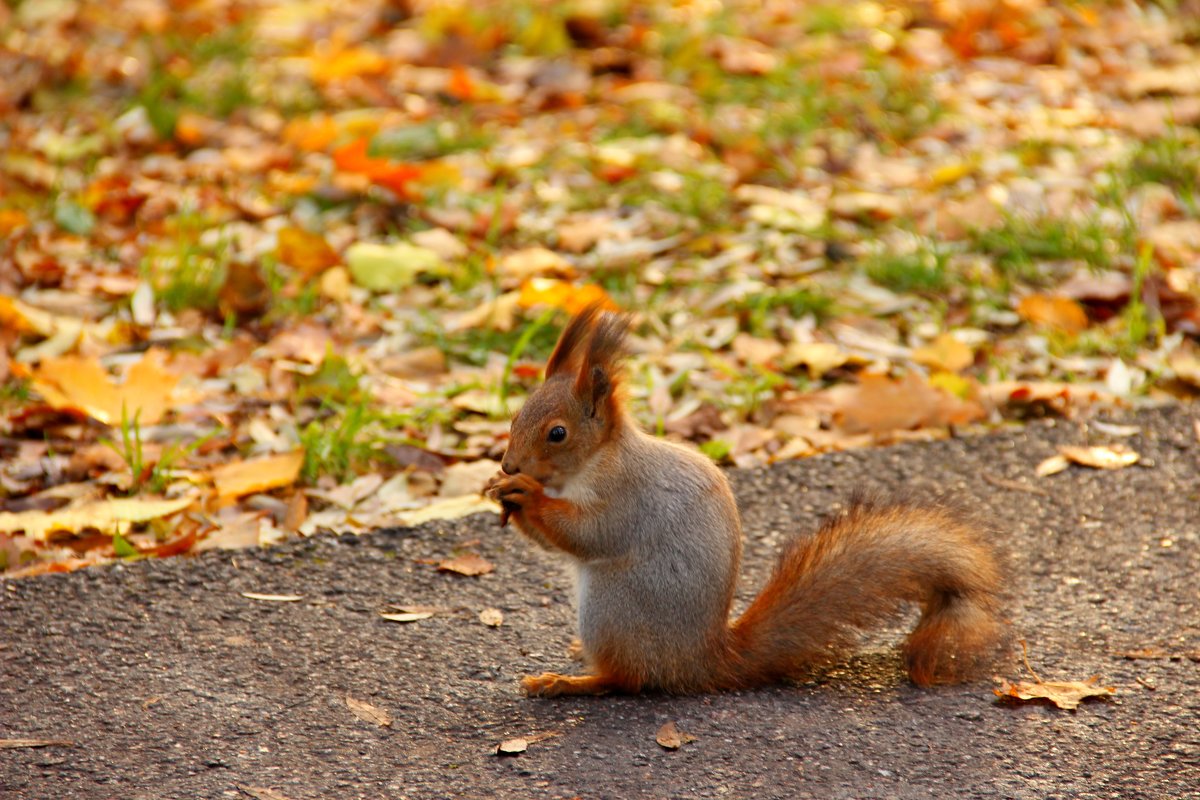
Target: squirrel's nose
(509, 468)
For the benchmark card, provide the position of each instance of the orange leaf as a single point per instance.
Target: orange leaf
(312, 134)
(260, 474)
(1053, 311)
(307, 252)
(561, 294)
(945, 353)
(82, 384)
(11, 219)
(461, 87)
(390, 174)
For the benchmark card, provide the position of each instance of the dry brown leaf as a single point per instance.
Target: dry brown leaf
(755, 351)
(1107, 456)
(1064, 694)
(14, 744)
(368, 713)
(492, 617)
(945, 353)
(307, 252)
(257, 475)
(106, 516)
(273, 598)
(670, 737)
(879, 404)
(468, 564)
(1053, 311)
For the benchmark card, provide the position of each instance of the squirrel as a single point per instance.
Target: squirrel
(654, 532)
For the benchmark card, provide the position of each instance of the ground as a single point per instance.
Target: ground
(171, 684)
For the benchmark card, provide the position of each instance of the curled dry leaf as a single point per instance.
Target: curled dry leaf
(368, 713)
(670, 737)
(273, 598)
(1052, 466)
(1064, 694)
(409, 616)
(468, 564)
(492, 617)
(1108, 456)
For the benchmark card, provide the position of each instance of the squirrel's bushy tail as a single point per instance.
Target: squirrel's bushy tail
(856, 572)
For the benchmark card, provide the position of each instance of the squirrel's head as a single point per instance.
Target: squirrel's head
(578, 408)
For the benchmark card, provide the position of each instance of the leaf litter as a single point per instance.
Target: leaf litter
(336, 242)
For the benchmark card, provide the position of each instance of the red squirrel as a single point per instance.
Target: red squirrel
(654, 533)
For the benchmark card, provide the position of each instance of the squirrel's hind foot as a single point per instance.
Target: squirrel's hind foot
(551, 684)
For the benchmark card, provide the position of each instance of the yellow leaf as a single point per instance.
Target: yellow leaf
(945, 353)
(349, 63)
(817, 357)
(257, 475)
(106, 516)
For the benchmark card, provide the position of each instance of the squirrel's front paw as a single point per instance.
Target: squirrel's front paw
(512, 492)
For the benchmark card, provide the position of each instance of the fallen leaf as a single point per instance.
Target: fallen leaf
(273, 598)
(82, 384)
(307, 252)
(14, 744)
(451, 508)
(257, 475)
(1108, 456)
(670, 737)
(492, 617)
(512, 747)
(1052, 466)
(561, 294)
(533, 262)
(1053, 311)
(945, 353)
(878, 404)
(106, 516)
(468, 564)
(817, 357)
(391, 267)
(411, 616)
(1064, 694)
(368, 713)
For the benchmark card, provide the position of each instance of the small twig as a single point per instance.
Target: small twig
(1145, 682)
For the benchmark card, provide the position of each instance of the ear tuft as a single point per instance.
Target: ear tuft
(567, 353)
(600, 371)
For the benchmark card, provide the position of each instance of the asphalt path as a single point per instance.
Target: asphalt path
(162, 680)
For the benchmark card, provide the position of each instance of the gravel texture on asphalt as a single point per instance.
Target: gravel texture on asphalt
(169, 683)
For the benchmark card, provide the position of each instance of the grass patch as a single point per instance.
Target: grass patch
(1173, 161)
(922, 272)
(795, 302)
(1021, 247)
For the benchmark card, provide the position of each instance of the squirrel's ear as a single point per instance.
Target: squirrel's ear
(594, 388)
(599, 373)
(566, 353)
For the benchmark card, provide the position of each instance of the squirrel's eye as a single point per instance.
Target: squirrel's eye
(557, 434)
